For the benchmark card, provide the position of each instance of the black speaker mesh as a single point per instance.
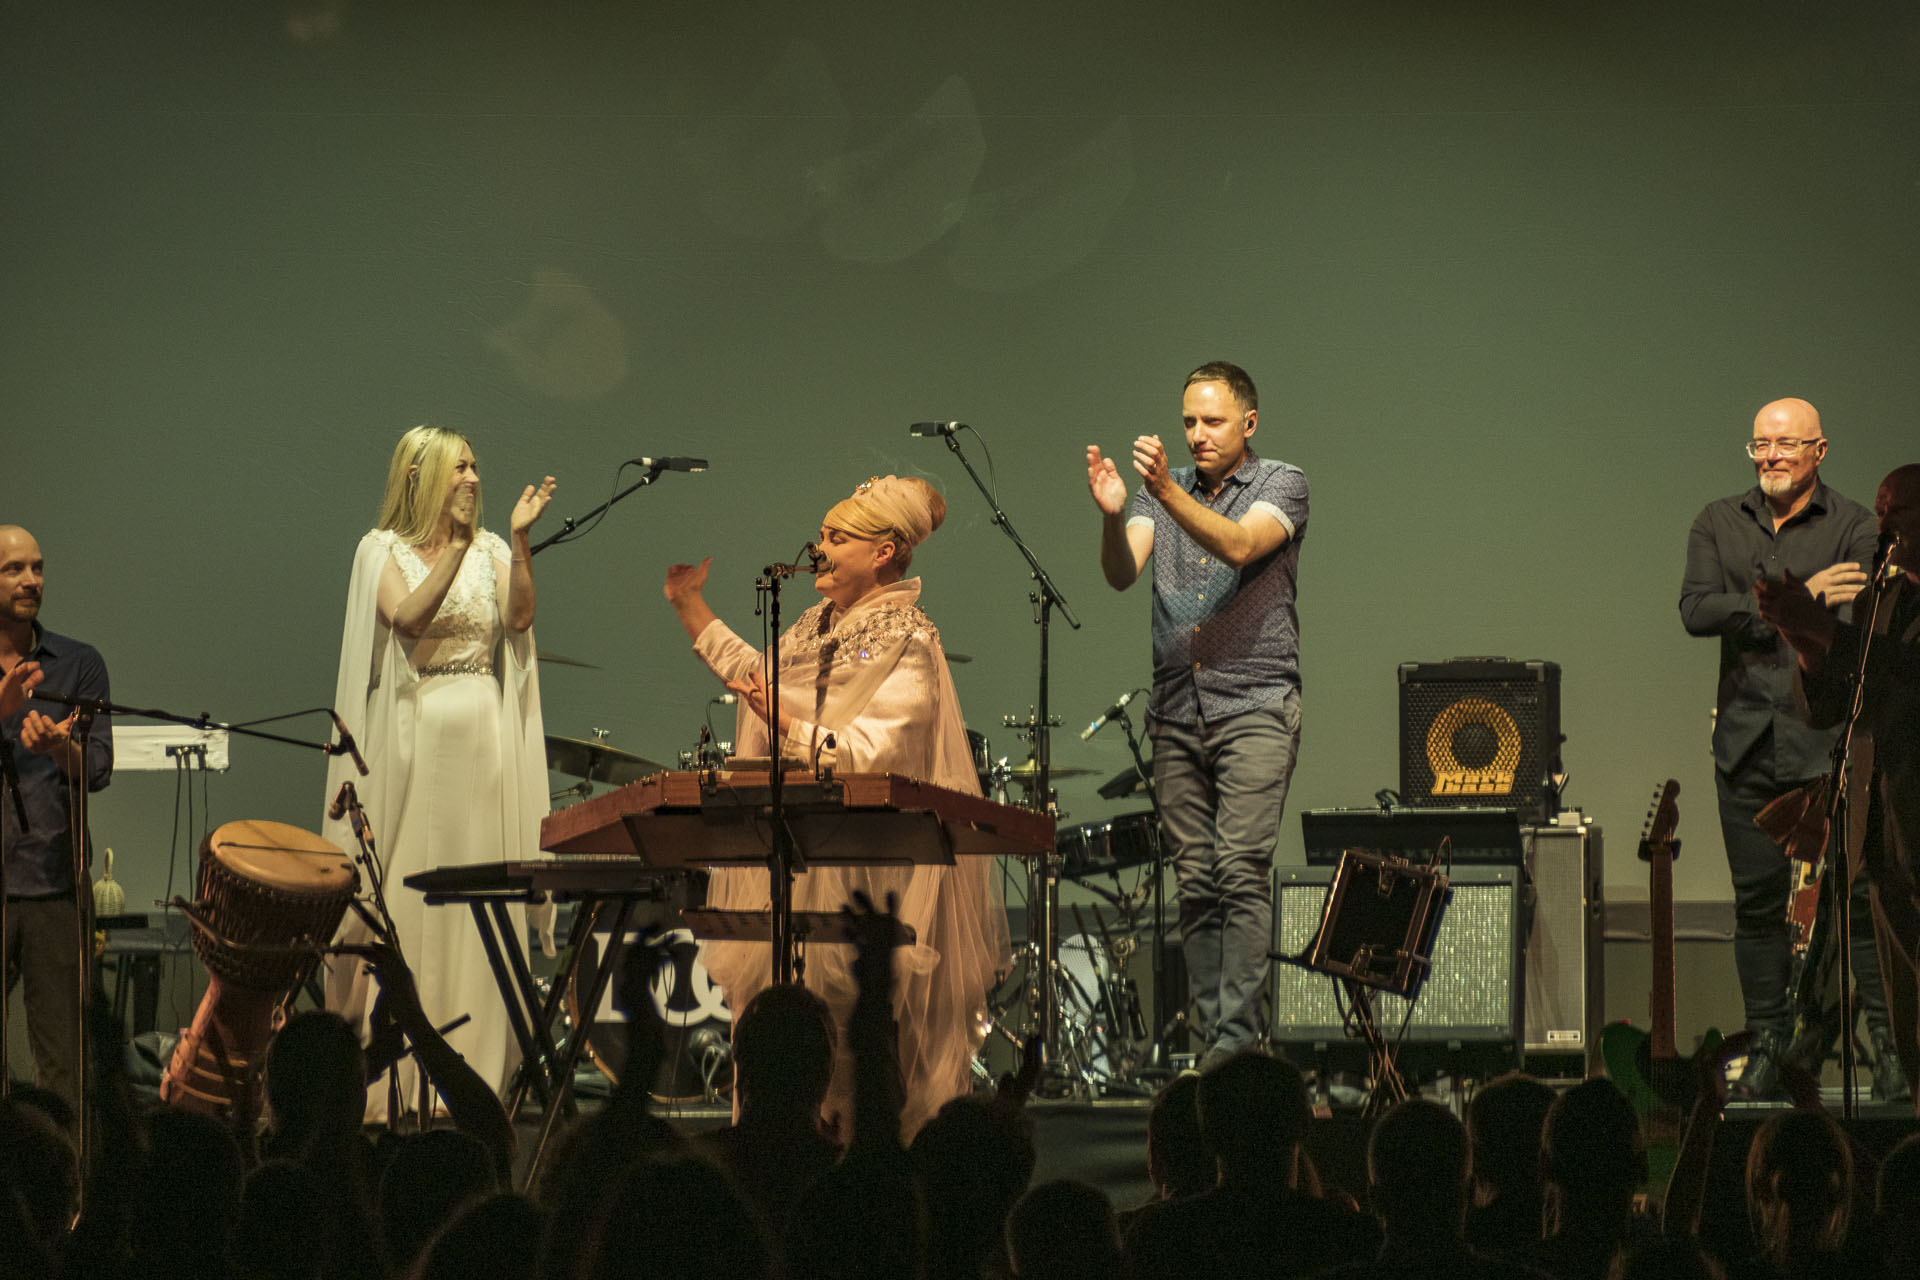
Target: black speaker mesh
(1468, 996)
(1479, 733)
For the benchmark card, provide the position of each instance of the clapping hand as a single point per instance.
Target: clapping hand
(1103, 479)
(1150, 460)
(533, 501)
(18, 685)
(44, 735)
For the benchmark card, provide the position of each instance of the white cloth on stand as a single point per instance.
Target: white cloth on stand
(874, 677)
(457, 775)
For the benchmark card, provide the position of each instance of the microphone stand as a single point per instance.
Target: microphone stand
(83, 944)
(570, 531)
(1160, 1055)
(784, 860)
(9, 782)
(203, 721)
(1840, 886)
(1043, 879)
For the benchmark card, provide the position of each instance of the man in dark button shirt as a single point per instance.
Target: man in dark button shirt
(1788, 523)
(42, 933)
(1224, 535)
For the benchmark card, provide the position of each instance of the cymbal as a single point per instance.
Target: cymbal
(561, 660)
(1029, 769)
(1124, 783)
(597, 761)
(953, 658)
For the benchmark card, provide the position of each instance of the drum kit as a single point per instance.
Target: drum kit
(1106, 1042)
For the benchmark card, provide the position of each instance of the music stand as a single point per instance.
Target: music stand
(1376, 932)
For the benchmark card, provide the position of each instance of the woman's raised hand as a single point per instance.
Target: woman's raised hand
(686, 581)
(533, 501)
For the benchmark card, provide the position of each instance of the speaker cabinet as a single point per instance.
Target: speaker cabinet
(1481, 732)
(1564, 974)
(1473, 997)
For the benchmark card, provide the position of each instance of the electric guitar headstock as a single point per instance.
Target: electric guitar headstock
(1663, 820)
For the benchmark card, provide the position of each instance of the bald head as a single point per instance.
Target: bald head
(20, 579)
(1791, 417)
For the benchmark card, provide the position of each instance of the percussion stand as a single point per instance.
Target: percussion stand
(1044, 876)
(347, 804)
(1159, 1055)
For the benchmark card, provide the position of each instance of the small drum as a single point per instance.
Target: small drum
(1097, 848)
(274, 895)
(698, 1064)
(274, 887)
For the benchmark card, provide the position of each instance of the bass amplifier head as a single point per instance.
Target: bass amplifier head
(1480, 732)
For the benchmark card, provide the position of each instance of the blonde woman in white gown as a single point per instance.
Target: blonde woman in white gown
(438, 683)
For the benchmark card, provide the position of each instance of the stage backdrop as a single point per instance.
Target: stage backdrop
(1512, 278)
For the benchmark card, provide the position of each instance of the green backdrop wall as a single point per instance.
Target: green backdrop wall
(1513, 279)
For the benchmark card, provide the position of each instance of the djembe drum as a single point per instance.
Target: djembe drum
(271, 896)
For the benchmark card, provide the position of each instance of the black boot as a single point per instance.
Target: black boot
(1889, 1078)
(1760, 1079)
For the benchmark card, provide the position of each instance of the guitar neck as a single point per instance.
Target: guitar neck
(1660, 998)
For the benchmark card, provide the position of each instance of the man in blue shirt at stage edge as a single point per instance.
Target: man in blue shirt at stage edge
(41, 944)
(1224, 535)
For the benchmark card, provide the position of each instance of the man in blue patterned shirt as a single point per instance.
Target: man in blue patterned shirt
(1225, 536)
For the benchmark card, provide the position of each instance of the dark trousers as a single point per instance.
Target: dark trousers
(1762, 880)
(1222, 787)
(42, 957)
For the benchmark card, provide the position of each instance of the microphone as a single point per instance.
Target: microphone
(347, 744)
(816, 558)
(1883, 554)
(724, 700)
(934, 428)
(338, 809)
(1107, 715)
(669, 464)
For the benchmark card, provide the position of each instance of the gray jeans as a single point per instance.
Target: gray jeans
(1222, 789)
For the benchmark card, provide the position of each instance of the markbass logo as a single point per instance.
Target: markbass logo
(1473, 748)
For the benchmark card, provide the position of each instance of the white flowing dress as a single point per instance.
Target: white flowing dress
(450, 726)
(874, 677)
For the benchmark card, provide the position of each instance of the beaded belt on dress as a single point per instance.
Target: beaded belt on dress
(471, 668)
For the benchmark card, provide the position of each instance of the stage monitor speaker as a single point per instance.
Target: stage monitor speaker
(1564, 972)
(1480, 732)
(1473, 996)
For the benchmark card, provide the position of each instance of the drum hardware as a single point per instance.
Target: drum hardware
(595, 760)
(1164, 1028)
(1038, 729)
(379, 923)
